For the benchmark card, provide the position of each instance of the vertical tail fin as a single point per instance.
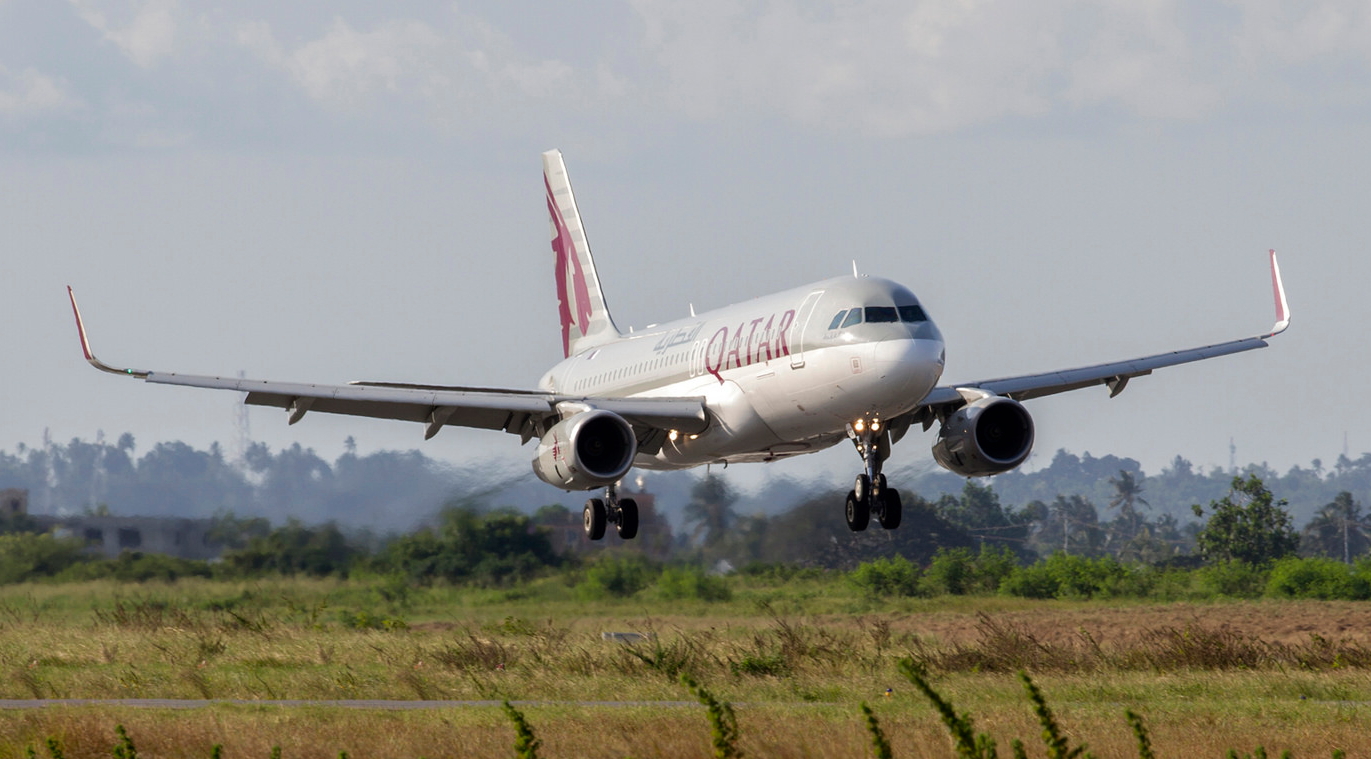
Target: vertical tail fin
(586, 322)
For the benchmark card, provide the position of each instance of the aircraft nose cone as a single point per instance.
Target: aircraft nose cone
(910, 366)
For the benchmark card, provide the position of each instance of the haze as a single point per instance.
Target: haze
(329, 192)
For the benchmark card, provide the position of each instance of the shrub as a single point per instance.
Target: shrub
(952, 572)
(1063, 575)
(681, 583)
(1234, 579)
(893, 576)
(1036, 581)
(135, 566)
(616, 577)
(26, 557)
(1316, 577)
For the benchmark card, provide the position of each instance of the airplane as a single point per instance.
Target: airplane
(850, 358)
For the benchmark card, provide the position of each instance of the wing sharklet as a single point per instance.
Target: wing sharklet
(90, 355)
(1282, 306)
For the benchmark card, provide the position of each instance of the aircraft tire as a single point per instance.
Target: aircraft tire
(892, 510)
(628, 519)
(858, 512)
(862, 488)
(594, 518)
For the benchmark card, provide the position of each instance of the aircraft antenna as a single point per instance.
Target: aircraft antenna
(855, 275)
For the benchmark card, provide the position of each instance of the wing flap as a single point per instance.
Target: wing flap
(482, 408)
(1037, 385)
(946, 398)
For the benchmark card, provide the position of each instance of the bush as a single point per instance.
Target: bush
(27, 557)
(1233, 579)
(1036, 581)
(616, 577)
(952, 572)
(498, 549)
(682, 583)
(893, 576)
(1063, 575)
(1316, 577)
(135, 566)
(957, 571)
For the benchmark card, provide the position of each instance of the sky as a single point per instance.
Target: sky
(340, 191)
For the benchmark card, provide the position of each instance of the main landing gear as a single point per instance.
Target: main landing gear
(869, 494)
(622, 512)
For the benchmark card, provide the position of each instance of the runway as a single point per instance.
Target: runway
(187, 703)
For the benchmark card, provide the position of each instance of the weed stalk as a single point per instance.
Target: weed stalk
(879, 745)
(723, 724)
(525, 742)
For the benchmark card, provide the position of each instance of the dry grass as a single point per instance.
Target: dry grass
(1205, 678)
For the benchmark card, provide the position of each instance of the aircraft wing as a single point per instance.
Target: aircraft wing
(944, 399)
(526, 413)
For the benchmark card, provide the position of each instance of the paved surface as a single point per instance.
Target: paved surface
(179, 703)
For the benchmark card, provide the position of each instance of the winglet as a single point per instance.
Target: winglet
(85, 345)
(1282, 306)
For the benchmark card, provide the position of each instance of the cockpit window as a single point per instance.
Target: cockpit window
(853, 317)
(837, 320)
(913, 313)
(884, 314)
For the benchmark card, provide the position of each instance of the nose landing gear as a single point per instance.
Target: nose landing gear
(869, 494)
(621, 512)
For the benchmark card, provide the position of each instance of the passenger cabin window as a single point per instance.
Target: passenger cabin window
(914, 313)
(837, 320)
(881, 314)
(853, 317)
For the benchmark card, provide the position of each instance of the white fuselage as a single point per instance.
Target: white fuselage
(778, 374)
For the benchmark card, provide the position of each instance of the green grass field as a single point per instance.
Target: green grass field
(796, 658)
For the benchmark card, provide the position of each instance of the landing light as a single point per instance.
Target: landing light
(859, 425)
(672, 435)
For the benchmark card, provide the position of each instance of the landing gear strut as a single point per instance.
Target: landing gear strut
(621, 512)
(869, 494)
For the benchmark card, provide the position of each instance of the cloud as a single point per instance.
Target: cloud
(30, 92)
(146, 39)
(409, 60)
(344, 67)
(888, 67)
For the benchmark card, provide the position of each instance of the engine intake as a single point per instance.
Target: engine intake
(988, 436)
(585, 451)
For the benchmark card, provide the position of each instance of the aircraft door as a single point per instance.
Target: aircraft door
(797, 332)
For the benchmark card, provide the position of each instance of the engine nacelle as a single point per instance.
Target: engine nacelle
(988, 436)
(588, 450)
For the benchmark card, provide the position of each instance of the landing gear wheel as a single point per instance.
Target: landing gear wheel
(594, 518)
(891, 508)
(628, 518)
(858, 512)
(862, 488)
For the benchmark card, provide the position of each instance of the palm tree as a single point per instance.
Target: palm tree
(711, 509)
(1339, 528)
(1127, 497)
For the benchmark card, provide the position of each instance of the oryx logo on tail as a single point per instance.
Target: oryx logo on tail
(580, 301)
(573, 297)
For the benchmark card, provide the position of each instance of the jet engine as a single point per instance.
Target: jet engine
(585, 451)
(987, 436)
